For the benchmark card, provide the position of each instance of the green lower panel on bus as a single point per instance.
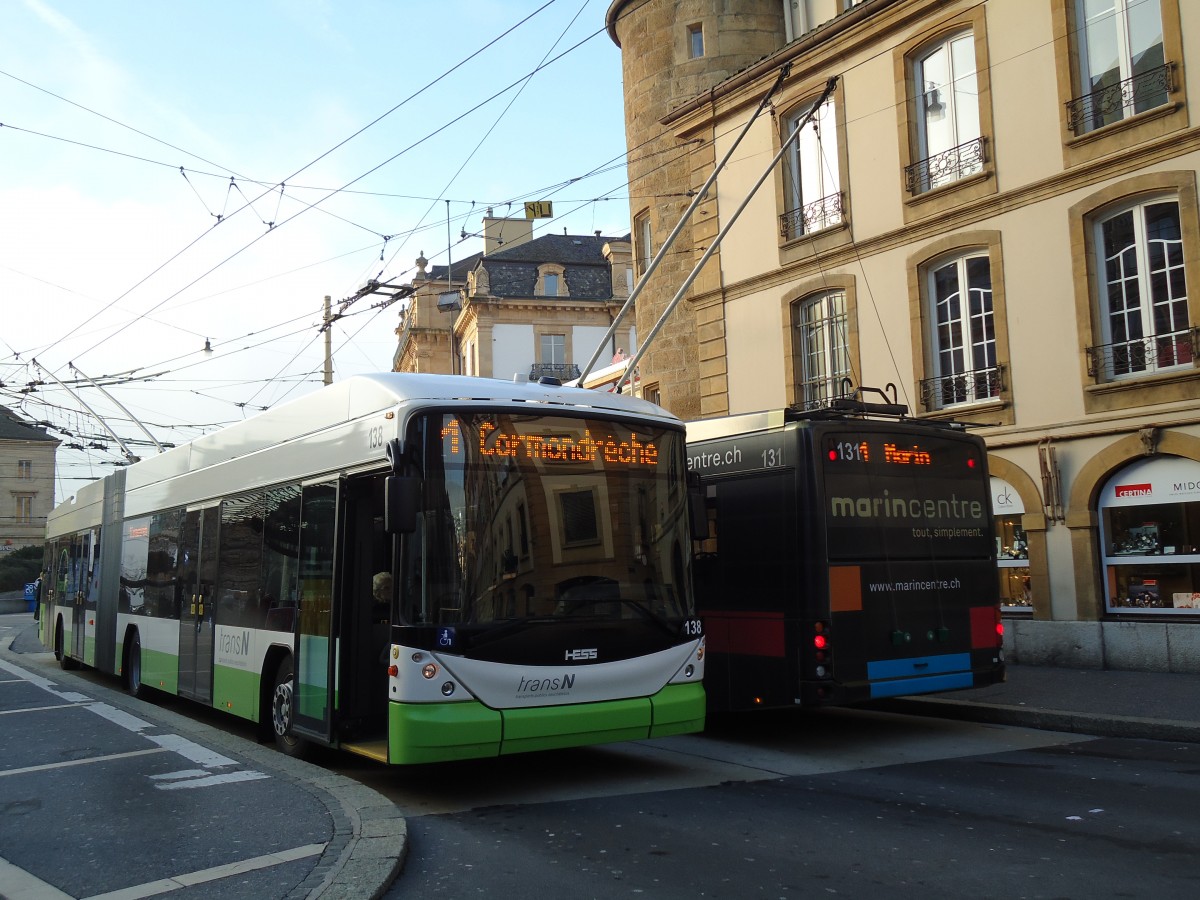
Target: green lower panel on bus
(159, 670)
(436, 732)
(551, 727)
(236, 691)
(678, 709)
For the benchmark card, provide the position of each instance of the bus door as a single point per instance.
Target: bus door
(314, 652)
(79, 593)
(89, 590)
(196, 588)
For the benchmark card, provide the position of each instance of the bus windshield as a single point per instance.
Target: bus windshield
(532, 517)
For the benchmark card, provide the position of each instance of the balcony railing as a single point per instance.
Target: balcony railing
(946, 167)
(964, 387)
(1118, 101)
(823, 213)
(1143, 355)
(561, 371)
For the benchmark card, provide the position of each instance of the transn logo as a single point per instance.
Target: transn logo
(1133, 490)
(580, 655)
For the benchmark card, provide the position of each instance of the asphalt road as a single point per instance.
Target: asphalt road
(1094, 818)
(101, 793)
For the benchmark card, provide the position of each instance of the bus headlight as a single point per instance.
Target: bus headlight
(430, 670)
(447, 688)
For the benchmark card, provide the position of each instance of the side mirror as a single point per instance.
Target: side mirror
(401, 499)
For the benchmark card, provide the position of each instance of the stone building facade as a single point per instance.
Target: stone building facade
(27, 455)
(991, 206)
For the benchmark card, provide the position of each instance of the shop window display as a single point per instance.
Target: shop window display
(1012, 548)
(1150, 534)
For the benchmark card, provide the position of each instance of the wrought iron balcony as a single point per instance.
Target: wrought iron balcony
(1143, 355)
(946, 167)
(1118, 101)
(561, 371)
(963, 387)
(823, 213)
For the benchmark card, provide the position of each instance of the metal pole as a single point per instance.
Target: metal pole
(687, 214)
(328, 341)
(129, 454)
(683, 288)
(74, 368)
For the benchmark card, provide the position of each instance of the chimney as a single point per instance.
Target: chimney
(501, 233)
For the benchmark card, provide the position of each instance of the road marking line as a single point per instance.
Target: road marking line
(28, 709)
(20, 885)
(162, 886)
(202, 756)
(119, 717)
(81, 762)
(212, 780)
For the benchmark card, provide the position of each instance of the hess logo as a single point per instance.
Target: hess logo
(580, 655)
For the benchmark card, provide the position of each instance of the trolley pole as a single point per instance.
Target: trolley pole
(328, 341)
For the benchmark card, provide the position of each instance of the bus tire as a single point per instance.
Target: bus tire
(283, 710)
(65, 662)
(133, 667)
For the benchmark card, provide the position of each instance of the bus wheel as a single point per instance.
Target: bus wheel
(283, 710)
(133, 667)
(60, 653)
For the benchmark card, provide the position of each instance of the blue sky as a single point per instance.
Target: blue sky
(115, 260)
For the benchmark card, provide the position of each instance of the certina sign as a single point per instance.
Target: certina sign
(1134, 490)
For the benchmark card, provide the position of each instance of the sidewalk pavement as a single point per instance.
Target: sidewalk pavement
(1104, 702)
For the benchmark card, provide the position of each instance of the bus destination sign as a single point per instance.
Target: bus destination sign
(853, 450)
(597, 442)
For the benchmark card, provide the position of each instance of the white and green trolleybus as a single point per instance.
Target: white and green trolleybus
(415, 568)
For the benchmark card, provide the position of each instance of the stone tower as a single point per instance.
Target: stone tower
(672, 51)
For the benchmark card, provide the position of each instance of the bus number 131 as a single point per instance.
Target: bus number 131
(772, 457)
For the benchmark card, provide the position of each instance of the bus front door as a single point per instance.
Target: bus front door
(314, 652)
(197, 603)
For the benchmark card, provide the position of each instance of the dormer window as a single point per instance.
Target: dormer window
(551, 281)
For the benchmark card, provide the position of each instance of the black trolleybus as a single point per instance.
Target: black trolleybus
(850, 556)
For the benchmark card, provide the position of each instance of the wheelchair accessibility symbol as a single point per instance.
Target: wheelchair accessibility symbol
(445, 637)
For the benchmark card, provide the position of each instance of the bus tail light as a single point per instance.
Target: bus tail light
(987, 629)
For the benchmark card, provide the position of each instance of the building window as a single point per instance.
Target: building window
(822, 347)
(24, 504)
(554, 349)
(802, 16)
(1122, 65)
(1143, 302)
(695, 35)
(813, 182)
(652, 394)
(25, 469)
(1150, 537)
(950, 145)
(550, 285)
(643, 245)
(579, 522)
(963, 333)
